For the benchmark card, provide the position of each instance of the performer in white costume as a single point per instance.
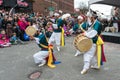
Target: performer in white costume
(57, 32)
(81, 25)
(93, 32)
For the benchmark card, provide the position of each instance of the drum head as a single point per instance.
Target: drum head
(30, 31)
(84, 45)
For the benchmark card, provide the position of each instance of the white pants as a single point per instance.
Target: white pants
(78, 53)
(89, 57)
(71, 31)
(55, 37)
(40, 56)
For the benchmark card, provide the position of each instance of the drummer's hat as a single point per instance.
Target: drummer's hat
(81, 17)
(92, 13)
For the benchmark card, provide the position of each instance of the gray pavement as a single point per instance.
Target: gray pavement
(16, 63)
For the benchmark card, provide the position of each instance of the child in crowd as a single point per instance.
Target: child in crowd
(15, 40)
(4, 41)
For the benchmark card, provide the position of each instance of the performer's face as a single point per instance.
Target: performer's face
(89, 20)
(2, 32)
(80, 21)
(92, 19)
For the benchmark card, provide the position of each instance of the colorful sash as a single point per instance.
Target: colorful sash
(62, 38)
(50, 56)
(100, 52)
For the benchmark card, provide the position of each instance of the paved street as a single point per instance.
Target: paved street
(16, 63)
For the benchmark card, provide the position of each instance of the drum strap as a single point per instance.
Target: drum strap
(92, 25)
(81, 27)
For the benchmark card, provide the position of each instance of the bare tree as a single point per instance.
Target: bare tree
(83, 7)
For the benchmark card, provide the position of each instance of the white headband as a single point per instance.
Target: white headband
(80, 17)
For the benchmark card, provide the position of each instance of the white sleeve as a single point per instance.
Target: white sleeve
(91, 34)
(37, 40)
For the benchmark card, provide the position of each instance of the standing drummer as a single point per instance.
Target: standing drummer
(93, 32)
(81, 25)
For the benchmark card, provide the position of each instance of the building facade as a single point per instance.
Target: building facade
(8, 4)
(44, 6)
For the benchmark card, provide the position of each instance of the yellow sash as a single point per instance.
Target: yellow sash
(50, 57)
(44, 46)
(62, 38)
(99, 43)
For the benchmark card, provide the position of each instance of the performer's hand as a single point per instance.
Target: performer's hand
(50, 45)
(32, 37)
(83, 34)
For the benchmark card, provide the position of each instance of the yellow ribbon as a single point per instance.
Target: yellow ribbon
(100, 41)
(50, 58)
(62, 38)
(98, 55)
(99, 52)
